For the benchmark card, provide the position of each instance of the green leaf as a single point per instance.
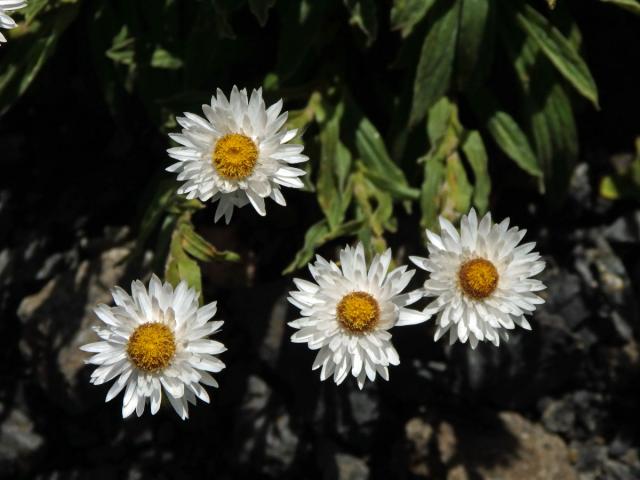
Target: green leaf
(559, 51)
(260, 8)
(313, 238)
(199, 248)
(180, 266)
(632, 6)
(405, 14)
(439, 120)
(475, 42)
(430, 198)
(375, 157)
(459, 187)
(556, 141)
(364, 16)
(506, 133)
(435, 65)
(335, 162)
(476, 154)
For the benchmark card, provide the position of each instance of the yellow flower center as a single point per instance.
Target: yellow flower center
(358, 312)
(478, 278)
(151, 346)
(235, 156)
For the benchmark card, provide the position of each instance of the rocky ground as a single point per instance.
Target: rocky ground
(556, 403)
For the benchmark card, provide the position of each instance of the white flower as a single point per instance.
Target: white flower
(5, 20)
(155, 341)
(481, 279)
(238, 154)
(348, 312)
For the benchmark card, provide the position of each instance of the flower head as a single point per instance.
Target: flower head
(481, 279)
(348, 311)
(238, 154)
(5, 20)
(155, 341)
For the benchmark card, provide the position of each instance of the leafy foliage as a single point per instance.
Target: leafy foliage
(404, 107)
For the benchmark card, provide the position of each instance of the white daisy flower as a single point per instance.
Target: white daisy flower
(238, 154)
(348, 312)
(481, 279)
(155, 341)
(6, 21)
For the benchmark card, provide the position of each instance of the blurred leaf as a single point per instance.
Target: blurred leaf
(435, 65)
(223, 25)
(630, 5)
(162, 58)
(552, 4)
(302, 24)
(405, 14)
(474, 150)
(474, 49)
(364, 16)
(30, 49)
(625, 183)
(556, 141)
(260, 8)
(559, 51)
(123, 48)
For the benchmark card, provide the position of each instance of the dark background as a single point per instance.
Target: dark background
(555, 403)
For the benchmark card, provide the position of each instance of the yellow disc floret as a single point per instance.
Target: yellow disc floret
(235, 156)
(358, 312)
(478, 278)
(151, 346)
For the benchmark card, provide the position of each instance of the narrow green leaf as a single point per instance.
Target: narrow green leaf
(474, 49)
(312, 239)
(506, 133)
(435, 65)
(439, 120)
(374, 153)
(430, 200)
(632, 6)
(476, 154)
(459, 189)
(559, 51)
(334, 160)
(199, 248)
(364, 16)
(405, 14)
(556, 141)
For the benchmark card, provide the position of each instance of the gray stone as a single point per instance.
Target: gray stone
(18, 442)
(350, 468)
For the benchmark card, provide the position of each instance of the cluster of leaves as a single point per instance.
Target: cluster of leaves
(429, 74)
